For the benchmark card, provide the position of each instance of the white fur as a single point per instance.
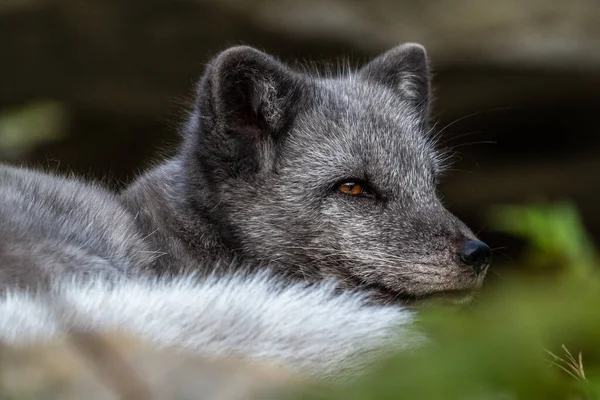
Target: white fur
(257, 317)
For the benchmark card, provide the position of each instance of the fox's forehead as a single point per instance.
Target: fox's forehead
(359, 114)
(362, 129)
(360, 106)
(374, 99)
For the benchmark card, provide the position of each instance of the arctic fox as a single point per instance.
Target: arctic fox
(323, 177)
(298, 217)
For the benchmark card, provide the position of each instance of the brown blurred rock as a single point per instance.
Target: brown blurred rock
(94, 368)
(542, 33)
(132, 57)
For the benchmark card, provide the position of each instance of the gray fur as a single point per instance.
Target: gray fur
(254, 185)
(256, 317)
(59, 233)
(52, 226)
(263, 151)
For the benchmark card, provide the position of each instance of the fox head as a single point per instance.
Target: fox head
(329, 176)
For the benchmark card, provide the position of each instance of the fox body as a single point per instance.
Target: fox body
(311, 178)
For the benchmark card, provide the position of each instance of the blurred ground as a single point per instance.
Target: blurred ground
(524, 75)
(93, 367)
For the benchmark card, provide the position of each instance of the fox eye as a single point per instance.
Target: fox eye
(351, 188)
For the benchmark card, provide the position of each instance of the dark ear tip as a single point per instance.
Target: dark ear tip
(413, 47)
(416, 51)
(239, 51)
(238, 56)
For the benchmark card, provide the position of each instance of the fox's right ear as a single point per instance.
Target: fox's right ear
(247, 92)
(405, 70)
(244, 102)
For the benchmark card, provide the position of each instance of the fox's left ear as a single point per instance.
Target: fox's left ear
(405, 70)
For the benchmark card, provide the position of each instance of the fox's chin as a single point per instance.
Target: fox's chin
(455, 298)
(449, 297)
(456, 292)
(452, 297)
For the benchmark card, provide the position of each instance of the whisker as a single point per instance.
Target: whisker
(472, 143)
(461, 170)
(477, 113)
(500, 248)
(505, 256)
(462, 135)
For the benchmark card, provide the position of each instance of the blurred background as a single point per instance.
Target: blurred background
(100, 86)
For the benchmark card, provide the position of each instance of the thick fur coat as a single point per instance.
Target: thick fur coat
(284, 180)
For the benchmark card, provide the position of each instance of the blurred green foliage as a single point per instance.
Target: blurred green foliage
(24, 128)
(523, 340)
(555, 233)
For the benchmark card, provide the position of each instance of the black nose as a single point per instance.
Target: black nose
(476, 254)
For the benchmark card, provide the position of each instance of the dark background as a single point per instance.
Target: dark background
(100, 87)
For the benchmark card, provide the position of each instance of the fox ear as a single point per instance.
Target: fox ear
(246, 92)
(405, 70)
(244, 102)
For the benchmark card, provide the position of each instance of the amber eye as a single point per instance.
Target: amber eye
(351, 188)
